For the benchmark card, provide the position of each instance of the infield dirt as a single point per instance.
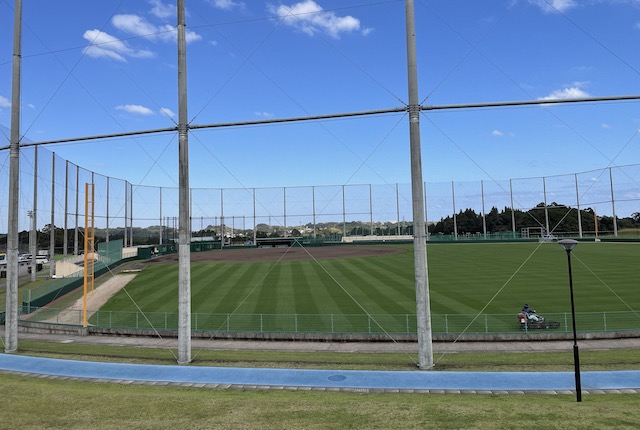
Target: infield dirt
(284, 254)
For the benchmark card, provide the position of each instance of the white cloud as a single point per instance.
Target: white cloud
(573, 92)
(4, 102)
(227, 4)
(264, 114)
(309, 17)
(162, 10)
(135, 109)
(550, 6)
(497, 133)
(138, 26)
(168, 112)
(606, 126)
(105, 45)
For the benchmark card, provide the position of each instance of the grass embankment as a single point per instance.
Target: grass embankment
(33, 403)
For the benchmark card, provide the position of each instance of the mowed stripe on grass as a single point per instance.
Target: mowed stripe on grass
(463, 279)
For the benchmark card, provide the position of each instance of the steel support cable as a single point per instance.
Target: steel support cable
(158, 105)
(242, 186)
(324, 269)
(553, 114)
(69, 71)
(113, 275)
(637, 313)
(70, 74)
(611, 164)
(490, 301)
(247, 59)
(296, 103)
(364, 163)
(526, 92)
(539, 102)
(478, 166)
(590, 36)
(473, 46)
(304, 24)
(561, 219)
(261, 281)
(317, 119)
(516, 83)
(99, 44)
(246, 297)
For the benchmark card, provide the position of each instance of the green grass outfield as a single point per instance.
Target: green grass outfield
(464, 279)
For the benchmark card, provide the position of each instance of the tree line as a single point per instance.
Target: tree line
(561, 219)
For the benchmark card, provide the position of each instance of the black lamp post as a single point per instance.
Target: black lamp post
(568, 245)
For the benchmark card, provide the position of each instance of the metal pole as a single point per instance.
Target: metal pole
(33, 235)
(131, 216)
(513, 214)
(370, 210)
(423, 313)
(221, 218)
(65, 239)
(11, 319)
(453, 205)
(52, 230)
(126, 211)
(576, 353)
(160, 239)
(578, 206)
(255, 226)
(344, 216)
(107, 210)
(426, 213)
(284, 208)
(484, 213)
(313, 205)
(75, 234)
(184, 239)
(613, 205)
(397, 210)
(546, 209)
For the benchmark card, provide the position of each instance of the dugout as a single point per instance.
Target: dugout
(275, 242)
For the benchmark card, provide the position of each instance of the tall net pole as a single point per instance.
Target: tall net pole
(11, 318)
(423, 313)
(184, 235)
(89, 246)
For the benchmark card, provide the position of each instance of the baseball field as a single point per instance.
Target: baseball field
(355, 280)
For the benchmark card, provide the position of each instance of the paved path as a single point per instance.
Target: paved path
(304, 346)
(329, 380)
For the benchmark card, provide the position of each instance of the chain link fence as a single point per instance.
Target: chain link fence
(405, 324)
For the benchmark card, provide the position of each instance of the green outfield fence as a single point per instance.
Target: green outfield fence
(338, 323)
(109, 256)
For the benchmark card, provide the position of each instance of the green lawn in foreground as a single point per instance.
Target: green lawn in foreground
(44, 403)
(463, 279)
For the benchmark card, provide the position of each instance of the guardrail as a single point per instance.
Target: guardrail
(445, 324)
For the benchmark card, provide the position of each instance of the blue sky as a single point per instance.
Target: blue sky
(92, 68)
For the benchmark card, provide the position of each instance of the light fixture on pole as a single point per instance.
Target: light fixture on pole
(568, 245)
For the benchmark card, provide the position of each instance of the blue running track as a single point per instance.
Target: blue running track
(337, 380)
